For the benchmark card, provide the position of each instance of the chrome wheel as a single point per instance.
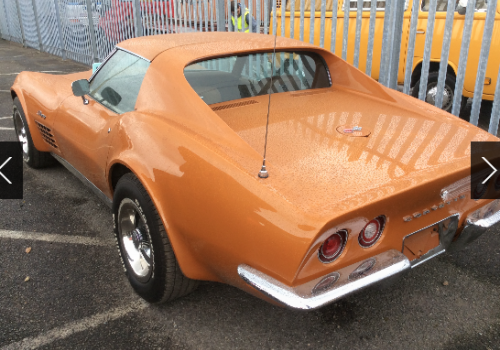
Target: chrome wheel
(135, 238)
(447, 96)
(21, 131)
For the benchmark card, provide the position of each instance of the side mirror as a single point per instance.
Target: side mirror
(81, 88)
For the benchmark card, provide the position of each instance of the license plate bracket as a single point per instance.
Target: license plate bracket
(430, 241)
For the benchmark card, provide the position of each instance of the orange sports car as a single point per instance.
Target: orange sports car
(363, 182)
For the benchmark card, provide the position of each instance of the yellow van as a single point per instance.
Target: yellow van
(456, 41)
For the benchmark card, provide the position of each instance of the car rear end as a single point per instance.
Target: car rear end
(379, 247)
(381, 179)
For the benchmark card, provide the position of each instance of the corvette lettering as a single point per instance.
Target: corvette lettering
(426, 211)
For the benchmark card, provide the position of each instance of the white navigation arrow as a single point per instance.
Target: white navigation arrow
(1, 166)
(492, 167)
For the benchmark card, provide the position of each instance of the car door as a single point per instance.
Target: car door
(84, 131)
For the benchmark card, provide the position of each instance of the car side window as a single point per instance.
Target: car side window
(116, 85)
(442, 5)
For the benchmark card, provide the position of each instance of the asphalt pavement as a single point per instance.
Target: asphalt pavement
(62, 285)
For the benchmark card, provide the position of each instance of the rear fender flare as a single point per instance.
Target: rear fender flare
(190, 266)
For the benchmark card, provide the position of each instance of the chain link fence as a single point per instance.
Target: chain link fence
(427, 47)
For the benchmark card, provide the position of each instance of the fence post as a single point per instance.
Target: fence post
(333, 36)
(345, 34)
(20, 23)
(386, 44)
(221, 20)
(312, 20)
(322, 23)
(91, 31)
(6, 20)
(357, 42)
(136, 10)
(462, 61)
(399, 12)
(275, 18)
(495, 112)
(59, 29)
(371, 37)
(1, 32)
(283, 18)
(483, 61)
(443, 66)
(37, 22)
(411, 45)
(424, 76)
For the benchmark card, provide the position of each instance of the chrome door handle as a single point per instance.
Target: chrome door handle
(420, 31)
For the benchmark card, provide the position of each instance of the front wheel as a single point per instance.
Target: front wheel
(31, 156)
(430, 96)
(147, 255)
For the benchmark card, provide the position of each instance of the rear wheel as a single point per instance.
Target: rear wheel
(31, 156)
(148, 258)
(431, 92)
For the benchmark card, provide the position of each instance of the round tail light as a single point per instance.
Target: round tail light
(333, 246)
(371, 232)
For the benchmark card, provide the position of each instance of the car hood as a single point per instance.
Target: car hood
(48, 89)
(317, 166)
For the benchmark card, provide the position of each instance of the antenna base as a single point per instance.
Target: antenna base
(263, 174)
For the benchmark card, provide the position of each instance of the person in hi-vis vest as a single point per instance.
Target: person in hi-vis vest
(242, 23)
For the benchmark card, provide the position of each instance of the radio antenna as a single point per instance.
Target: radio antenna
(263, 174)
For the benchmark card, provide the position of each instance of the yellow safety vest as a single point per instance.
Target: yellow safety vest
(247, 26)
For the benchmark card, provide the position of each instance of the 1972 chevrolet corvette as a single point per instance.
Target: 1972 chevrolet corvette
(364, 182)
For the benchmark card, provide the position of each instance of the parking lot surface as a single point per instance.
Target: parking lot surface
(62, 285)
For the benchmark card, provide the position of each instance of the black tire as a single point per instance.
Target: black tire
(165, 280)
(31, 156)
(449, 83)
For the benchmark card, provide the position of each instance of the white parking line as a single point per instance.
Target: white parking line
(48, 237)
(4, 90)
(3, 128)
(8, 117)
(75, 327)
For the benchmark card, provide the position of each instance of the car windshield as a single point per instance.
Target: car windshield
(235, 77)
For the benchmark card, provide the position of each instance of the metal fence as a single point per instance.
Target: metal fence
(380, 37)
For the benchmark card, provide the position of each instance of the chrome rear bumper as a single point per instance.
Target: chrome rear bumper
(346, 281)
(387, 264)
(474, 227)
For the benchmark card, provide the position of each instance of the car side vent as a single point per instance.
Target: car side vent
(234, 105)
(46, 134)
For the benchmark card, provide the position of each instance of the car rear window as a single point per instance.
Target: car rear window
(235, 77)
